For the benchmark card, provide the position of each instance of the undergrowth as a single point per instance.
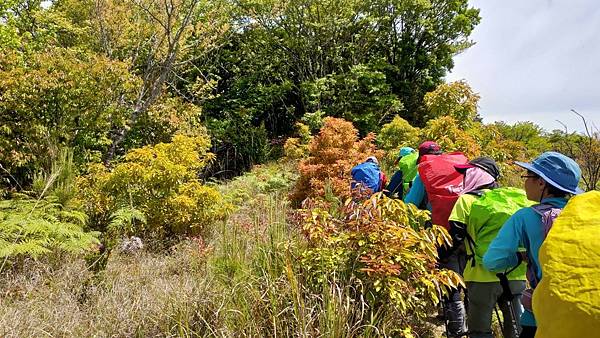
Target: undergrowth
(245, 278)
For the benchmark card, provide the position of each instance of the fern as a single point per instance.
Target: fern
(123, 221)
(35, 228)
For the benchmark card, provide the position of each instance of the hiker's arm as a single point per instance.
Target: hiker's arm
(502, 252)
(395, 185)
(416, 194)
(457, 231)
(458, 220)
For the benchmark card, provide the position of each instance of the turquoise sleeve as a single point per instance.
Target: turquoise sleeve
(502, 252)
(416, 194)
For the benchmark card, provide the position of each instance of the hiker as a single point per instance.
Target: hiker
(436, 173)
(367, 177)
(476, 218)
(406, 173)
(549, 180)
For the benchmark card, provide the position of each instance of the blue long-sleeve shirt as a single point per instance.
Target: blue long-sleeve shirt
(417, 194)
(523, 229)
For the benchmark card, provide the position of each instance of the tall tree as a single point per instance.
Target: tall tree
(278, 49)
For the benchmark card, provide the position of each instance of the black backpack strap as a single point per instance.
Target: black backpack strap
(472, 246)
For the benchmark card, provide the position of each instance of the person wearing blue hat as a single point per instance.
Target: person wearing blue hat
(549, 180)
(405, 151)
(403, 177)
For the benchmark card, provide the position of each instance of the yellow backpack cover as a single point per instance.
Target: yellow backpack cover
(566, 303)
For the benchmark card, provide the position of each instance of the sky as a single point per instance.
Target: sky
(535, 60)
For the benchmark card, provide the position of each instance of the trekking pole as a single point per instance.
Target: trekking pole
(499, 321)
(507, 297)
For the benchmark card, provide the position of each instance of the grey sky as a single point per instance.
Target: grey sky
(535, 60)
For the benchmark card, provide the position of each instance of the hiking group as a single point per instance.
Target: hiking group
(497, 233)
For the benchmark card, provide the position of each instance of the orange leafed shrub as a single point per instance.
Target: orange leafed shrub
(332, 154)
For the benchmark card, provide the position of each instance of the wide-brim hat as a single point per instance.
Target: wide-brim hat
(485, 163)
(557, 170)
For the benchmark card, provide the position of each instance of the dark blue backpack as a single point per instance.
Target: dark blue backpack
(366, 174)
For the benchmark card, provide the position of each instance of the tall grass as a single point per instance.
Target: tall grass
(243, 281)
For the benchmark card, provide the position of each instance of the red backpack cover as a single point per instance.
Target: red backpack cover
(438, 174)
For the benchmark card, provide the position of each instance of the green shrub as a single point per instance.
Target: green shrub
(271, 178)
(59, 98)
(298, 147)
(161, 182)
(455, 99)
(395, 135)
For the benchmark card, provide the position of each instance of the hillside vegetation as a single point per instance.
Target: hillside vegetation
(182, 168)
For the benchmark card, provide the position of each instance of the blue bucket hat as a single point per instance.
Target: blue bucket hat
(556, 169)
(405, 151)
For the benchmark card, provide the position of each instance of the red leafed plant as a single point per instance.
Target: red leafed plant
(332, 154)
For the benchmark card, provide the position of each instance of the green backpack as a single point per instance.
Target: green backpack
(408, 166)
(487, 216)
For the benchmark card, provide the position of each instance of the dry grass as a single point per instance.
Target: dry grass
(142, 295)
(233, 286)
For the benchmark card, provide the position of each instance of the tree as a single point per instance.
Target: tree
(360, 60)
(455, 99)
(446, 132)
(155, 37)
(55, 99)
(361, 95)
(418, 40)
(584, 148)
(157, 34)
(532, 135)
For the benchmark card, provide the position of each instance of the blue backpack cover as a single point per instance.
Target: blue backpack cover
(366, 174)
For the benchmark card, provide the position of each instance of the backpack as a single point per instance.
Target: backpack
(408, 166)
(367, 175)
(402, 179)
(567, 299)
(488, 215)
(438, 174)
(549, 214)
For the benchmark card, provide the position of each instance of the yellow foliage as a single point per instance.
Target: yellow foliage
(395, 135)
(162, 182)
(455, 99)
(298, 147)
(446, 132)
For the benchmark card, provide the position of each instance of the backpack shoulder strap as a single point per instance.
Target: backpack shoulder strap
(543, 208)
(548, 213)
